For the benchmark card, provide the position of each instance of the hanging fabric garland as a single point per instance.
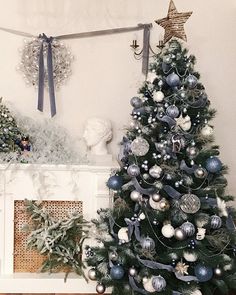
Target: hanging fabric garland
(58, 59)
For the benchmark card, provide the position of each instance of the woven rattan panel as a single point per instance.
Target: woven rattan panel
(26, 260)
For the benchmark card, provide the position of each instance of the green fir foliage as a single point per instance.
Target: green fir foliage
(171, 145)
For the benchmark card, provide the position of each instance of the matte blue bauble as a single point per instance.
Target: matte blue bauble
(117, 272)
(213, 165)
(136, 102)
(203, 273)
(173, 80)
(115, 182)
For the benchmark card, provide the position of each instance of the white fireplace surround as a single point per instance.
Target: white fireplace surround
(46, 182)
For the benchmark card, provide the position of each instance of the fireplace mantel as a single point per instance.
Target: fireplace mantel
(83, 183)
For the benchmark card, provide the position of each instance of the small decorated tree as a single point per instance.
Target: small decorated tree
(169, 231)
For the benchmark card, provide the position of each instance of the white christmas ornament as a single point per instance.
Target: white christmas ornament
(196, 292)
(201, 232)
(154, 205)
(168, 231)
(207, 130)
(151, 76)
(142, 216)
(123, 234)
(189, 256)
(184, 122)
(147, 284)
(158, 96)
(155, 171)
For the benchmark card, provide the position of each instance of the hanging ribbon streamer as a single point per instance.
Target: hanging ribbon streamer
(146, 47)
(173, 193)
(48, 41)
(157, 265)
(135, 287)
(189, 170)
(141, 190)
(170, 121)
(133, 227)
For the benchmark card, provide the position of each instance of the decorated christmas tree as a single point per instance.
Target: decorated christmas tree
(169, 231)
(10, 134)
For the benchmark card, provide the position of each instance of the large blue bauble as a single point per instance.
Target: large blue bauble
(117, 272)
(191, 81)
(115, 182)
(136, 102)
(203, 273)
(213, 164)
(173, 80)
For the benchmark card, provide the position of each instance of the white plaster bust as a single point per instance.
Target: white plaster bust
(97, 133)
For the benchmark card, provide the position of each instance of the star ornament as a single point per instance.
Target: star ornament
(182, 268)
(174, 23)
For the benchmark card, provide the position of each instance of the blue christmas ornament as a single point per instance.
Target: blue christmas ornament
(203, 273)
(191, 81)
(117, 272)
(115, 182)
(173, 80)
(213, 164)
(136, 102)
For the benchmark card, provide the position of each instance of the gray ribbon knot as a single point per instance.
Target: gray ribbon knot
(48, 40)
(133, 227)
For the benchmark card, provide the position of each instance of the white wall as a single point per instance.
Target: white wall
(105, 74)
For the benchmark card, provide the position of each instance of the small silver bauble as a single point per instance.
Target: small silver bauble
(123, 234)
(158, 283)
(132, 271)
(190, 203)
(191, 81)
(179, 234)
(172, 111)
(155, 171)
(92, 274)
(158, 185)
(164, 204)
(190, 256)
(139, 146)
(158, 96)
(156, 197)
(218, 272)
(133, 170)
(188, 228)
(207, 131)
(147, 244)
(200, 172)
(100, 288)
(216, 222)
(113, 256)
(136, 102)
(135, 196)
(192, 152)
(147, 285)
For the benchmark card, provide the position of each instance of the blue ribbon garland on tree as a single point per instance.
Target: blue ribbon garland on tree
(48, 40)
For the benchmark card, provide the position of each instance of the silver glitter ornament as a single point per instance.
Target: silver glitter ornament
(179, 234)
(132, 271)
(216, 222)
(200, 172)
(136, 102)
(139, 147)
(173, 80)
(172, 111)
(188, 228)
(191, 81)
(135, 196)
(133, 170)
(92, 274)
(100, 288)
(190, 203)
(156, 197)
(61, 58)
(155, 171)
(147, 244)
(158, 96)
(158, 283)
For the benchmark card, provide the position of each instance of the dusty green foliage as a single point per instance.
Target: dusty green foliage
(60, 241)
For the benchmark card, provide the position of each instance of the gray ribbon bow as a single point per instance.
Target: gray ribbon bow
(50, 75)
(133, 227)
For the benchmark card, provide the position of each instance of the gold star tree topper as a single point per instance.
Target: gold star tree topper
(174, 23)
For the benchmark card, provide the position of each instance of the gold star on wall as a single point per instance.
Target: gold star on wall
(174, 23)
